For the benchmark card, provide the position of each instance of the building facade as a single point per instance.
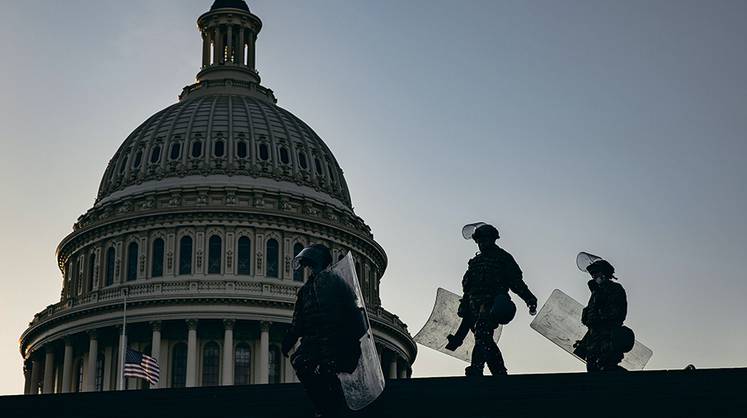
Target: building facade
(197, 219)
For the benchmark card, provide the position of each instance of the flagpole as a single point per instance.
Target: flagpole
(123, 343)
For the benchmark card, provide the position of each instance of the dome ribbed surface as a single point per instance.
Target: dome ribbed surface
(230, 135)
(230, 4)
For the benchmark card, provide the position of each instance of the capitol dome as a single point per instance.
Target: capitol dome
(197, 218)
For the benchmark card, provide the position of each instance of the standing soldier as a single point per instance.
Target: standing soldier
(328, 323)
(486, 303)
(607, 339)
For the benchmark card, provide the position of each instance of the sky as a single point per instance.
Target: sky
(611, 127)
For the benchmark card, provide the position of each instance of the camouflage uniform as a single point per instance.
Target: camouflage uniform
(604, 316)
(491, 273)
(322, 319)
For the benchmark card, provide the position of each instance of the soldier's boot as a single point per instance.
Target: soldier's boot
(497, 368)
(474, 371)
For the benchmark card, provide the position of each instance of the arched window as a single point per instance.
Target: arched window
(331, 173)
(242, 150)
(264, 152)
(138, 159)
(284, 157)
(179, 366)
(155, 154)
(215, 247)
(99, 382)
(123, 167)
(358, 270)
(197, 149)
(132, 256)
(110, 259)
(157, 267)
(318, 166)
(242, 365)
(185, 255)
(297, 274)
(219, 148)
(274, 365)
(210, 364)
(91, 270)
(302, 160)
(273, 258)
(245, 256)
(176, 151)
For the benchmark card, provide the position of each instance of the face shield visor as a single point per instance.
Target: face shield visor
(469, 229)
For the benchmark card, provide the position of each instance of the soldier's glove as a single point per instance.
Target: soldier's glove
(454, 342)
(533, 309)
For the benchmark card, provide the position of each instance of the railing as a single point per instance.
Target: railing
(164, 288)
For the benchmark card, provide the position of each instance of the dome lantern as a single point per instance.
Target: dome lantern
(229, 34)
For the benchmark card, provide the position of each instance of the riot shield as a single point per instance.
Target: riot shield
(366, 382)
(559, 321)
(444, 321)
(470, 229)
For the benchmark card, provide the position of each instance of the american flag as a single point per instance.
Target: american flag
(141, 365)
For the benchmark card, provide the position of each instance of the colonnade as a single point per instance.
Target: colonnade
(90, 360)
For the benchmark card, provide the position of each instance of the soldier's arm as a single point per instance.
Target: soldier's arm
(517, 284)
(616, 310)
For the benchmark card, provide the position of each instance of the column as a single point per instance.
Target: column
(228, 364)
(393, 367)
(36, 376)
(26, 378)
(250, 58)
(241, 57)
(48, 370)
(155, 350)
(67, 366)
(264, 352)
(192, 353)
(403, 373)
(93, 353)
(229, 37)
(218, 47)
(108, 362)
(205, 49)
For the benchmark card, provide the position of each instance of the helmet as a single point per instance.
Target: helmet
(503, 309)
(601, 267)
(485, 233)
(317, 257)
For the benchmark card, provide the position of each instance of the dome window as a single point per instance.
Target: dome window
(215, 250)
(123, 167)
(284, 156)
(176, 151)
(179, 366)
(219, 148)
(242, 149)
(245, 256)
(185, 255)
(318, 165)
(197, 149)
(242, 364)
(273, 259)
(138, 159)
(331, 173)
(110, 259)
(155, 154)
(157, 268)
(210, 364)
(302, 160)
(132, 258)
(91, 270)
(264, 152)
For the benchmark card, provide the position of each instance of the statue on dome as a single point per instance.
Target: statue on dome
(486, 304)
(607, 339)
(330, 325)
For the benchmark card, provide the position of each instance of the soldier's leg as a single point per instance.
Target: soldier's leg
(491, 354)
